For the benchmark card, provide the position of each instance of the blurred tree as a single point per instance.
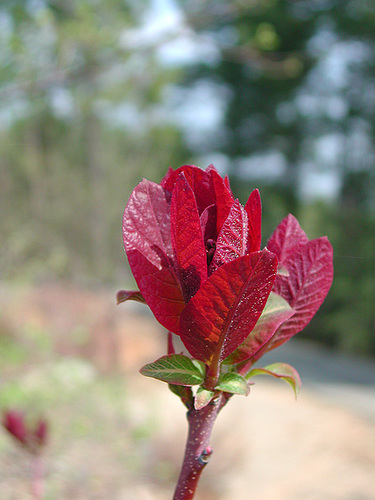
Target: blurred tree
(298, 86)
(347, 319)
(80, 124)
(299, 80)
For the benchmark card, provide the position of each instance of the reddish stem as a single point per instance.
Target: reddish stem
(37, 485)
(212, 376)
(198, 450)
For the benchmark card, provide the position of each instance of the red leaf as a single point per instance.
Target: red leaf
(212, 190)
(14, 423)
(253, 209)
(187, 238)
(208, 186)
(227, 183)
(192, 173)
(208, 223)
(232, 240)
(226, 308)
(204, 191)
(166, 177)
(310, 277)
(286, 236)
(146, 233)
(276, 311)
(223, 198)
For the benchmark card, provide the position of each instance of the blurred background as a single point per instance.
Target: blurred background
(94, 96)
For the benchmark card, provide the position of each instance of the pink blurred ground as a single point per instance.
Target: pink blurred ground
(266, 446)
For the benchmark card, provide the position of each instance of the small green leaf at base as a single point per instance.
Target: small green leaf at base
(234, 383)
(176, 369)
(279, 370)
(202, 398)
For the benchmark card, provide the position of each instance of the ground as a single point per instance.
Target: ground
(73, 356)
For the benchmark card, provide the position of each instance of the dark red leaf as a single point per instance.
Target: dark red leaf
(187, 238)
(253, 209)
(14, 423)
(204, 190)
(276, 311)
(223, 198)
(41, 433)
(310, 277)
(166, 177)
(232, 240)
(124, 295)
(287, 235)
(212, 190)
(208, 223)
(192, 173)
(226, 308)
(147, 241)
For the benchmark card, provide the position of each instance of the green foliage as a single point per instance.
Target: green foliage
(273, 62)
(81, 124)
(279, 370)
(47, 384)
(346, 319)
(79, 128)
(176, 369)
(234, 383)
(11, 352)
(276, 62)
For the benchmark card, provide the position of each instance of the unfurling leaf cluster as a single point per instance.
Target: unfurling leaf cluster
(196, 255)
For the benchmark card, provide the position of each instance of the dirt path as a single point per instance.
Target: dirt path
(269, 447)
(266, 446)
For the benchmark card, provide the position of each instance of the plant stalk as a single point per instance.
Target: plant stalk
(37, 484)
(198, 450)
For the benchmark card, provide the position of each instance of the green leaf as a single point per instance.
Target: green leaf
(233, 383)
(176, 369)
(202, 398)
(279, 370)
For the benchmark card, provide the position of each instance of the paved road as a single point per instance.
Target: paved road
(341, 379)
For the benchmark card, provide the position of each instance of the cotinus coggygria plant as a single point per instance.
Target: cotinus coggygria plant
(195, 253)
(33, 438)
